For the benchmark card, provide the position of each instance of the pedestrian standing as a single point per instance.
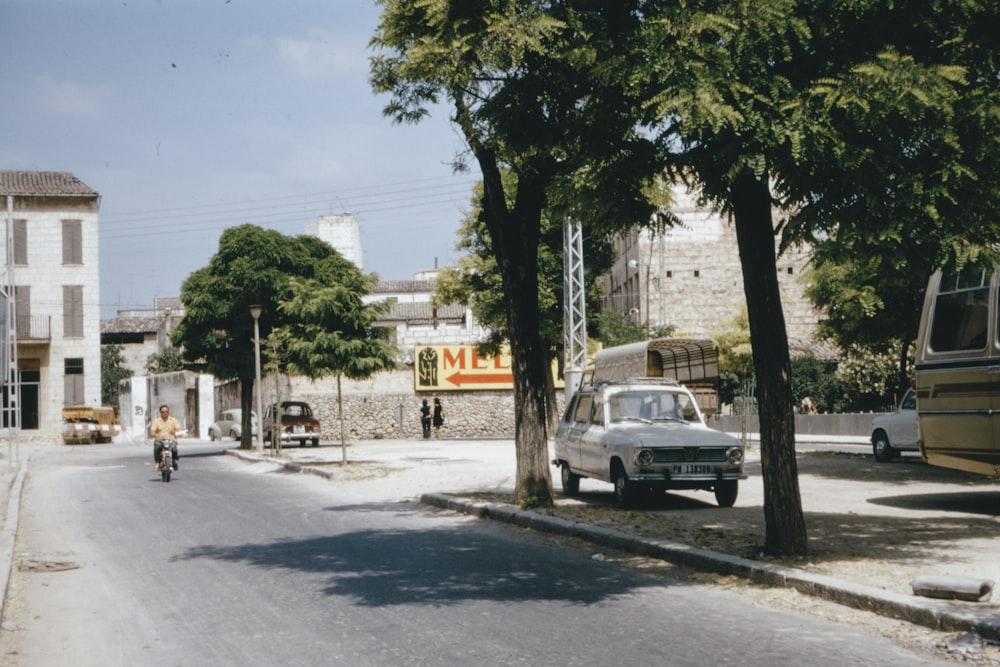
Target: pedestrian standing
(425, 419)
(438, 417)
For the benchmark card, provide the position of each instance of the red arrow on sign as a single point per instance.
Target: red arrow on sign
(480, 378)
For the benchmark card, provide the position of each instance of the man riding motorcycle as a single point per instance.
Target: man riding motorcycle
(164, 428)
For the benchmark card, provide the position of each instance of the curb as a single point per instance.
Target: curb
(934, 614)
(9, 532)
(292, 466)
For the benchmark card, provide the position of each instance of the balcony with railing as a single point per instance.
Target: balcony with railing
(34, 328)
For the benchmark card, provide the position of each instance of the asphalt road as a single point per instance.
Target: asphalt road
(233, 563)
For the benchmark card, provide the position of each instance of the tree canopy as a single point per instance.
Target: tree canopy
(253, 266)
(823, 109)
(828, 110)
(548, 125)
(113, 371)
(330, 330)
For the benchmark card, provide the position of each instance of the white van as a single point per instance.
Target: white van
(958, 372)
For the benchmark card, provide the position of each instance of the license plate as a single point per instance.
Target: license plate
(690, 469)
(299, 428)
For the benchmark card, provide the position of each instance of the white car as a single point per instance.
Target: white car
(230, 424)
(896, 432)
(645, 436)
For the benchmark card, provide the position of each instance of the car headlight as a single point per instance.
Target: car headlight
(734, 455)
(644, 457)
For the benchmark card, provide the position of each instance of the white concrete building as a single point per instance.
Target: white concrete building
(417, 321)
(51, 251)
(340, 231)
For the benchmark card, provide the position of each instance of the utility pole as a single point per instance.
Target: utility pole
(574, 306)
(8, 351)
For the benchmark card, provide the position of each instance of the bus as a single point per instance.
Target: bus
(958, 371)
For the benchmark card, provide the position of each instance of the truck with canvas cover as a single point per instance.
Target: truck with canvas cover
(84, 424)
(693, 363)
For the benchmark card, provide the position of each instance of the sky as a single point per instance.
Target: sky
(192, 116)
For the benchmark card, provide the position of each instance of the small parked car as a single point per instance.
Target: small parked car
(645, 436)
(298, 424)
(230, 423)
(896, 432)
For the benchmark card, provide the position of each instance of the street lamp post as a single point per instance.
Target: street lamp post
(259, 437)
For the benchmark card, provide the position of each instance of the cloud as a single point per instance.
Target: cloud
(321, 53)
(70, 98)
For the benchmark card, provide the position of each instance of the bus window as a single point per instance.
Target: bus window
(961, 310)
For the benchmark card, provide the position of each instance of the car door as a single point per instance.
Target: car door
(593, 440)
(904, 423)
(575, 426)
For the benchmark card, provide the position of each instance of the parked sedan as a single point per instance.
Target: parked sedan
(645, 437)
(298, 424)
(230, 423)
(897, 431)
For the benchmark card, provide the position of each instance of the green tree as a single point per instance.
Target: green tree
(613, 328)
(252, 266)
(113, 371)
(826, 109)
(817, 379)
(477, 281)
(168, 361)
(735, 359)
(329, 330)
(549, 125)
(870, 303)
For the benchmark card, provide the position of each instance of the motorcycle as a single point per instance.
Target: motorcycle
(166, 464)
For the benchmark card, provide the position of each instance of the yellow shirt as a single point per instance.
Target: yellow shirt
(164, 429)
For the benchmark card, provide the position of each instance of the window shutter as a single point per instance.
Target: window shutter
(73, 311)
(21, 242)
(72, 241)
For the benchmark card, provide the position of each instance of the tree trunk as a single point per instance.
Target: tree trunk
(246, 407)
(515, 232)
(534, 481)
(340, 418)
(785, 530)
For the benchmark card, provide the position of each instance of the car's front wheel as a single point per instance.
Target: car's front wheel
(626, 493)
(726, 492)
(881, 448)
(570, 481)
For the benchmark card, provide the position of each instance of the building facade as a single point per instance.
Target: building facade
(690, 277)
(142, 333)
(52, 277)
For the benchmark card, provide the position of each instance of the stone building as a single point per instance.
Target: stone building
(691, 278)
(52, 275)
(142, 333)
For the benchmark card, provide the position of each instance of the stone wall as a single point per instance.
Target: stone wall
(370, 406)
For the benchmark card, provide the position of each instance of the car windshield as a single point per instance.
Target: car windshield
(650, 405)
(296, 410)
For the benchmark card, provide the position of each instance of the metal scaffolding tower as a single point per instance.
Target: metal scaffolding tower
(574, 305)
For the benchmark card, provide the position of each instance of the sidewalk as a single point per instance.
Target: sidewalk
(13, 467)
(873, 528)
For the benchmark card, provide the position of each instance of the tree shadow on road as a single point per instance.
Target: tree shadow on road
(439, 566)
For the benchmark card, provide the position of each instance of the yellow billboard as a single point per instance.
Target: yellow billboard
(460, 368)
